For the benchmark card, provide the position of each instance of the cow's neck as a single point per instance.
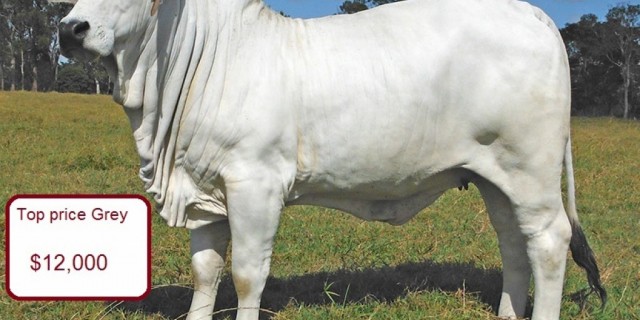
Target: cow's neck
(183, 55)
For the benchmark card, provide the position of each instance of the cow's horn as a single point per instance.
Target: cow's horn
(154, 7)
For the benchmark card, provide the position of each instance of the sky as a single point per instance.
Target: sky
(561, 11)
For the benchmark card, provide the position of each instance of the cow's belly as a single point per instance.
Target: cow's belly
(393, 202)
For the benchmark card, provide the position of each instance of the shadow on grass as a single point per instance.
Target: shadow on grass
(382, 284)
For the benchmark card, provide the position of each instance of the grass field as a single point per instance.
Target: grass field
(444, 264)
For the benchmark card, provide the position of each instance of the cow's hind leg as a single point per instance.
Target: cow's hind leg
(516, 272)
(208, 249)
(547, 249)
(538, 221)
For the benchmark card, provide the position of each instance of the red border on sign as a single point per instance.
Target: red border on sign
(76, 196)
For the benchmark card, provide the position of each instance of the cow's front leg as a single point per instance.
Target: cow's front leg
(208, 250)
(254, 212)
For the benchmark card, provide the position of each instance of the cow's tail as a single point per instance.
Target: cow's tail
(580, 250)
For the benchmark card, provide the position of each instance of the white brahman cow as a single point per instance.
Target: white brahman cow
(238, 111)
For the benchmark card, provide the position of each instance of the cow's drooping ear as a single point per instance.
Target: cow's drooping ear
(63, 1)
(154, 7)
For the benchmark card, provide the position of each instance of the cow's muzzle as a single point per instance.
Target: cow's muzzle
(72, 34)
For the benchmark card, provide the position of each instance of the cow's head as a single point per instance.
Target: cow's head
(94, 27)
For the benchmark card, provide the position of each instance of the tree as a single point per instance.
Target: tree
(55, 13)
(5, 53)
(593, 80)
(354, 6)
(37, 37)
(29, 29)
(73, 78)
(623, 41)
(82, 77)
(11, 37)
(282, 13)
(604, 59)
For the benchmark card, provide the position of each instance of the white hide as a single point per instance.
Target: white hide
(401, 101)
(233, 106)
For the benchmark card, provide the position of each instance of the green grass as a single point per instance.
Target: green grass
(444, 264)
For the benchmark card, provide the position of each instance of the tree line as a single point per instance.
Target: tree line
(30, 55)
(604, 56)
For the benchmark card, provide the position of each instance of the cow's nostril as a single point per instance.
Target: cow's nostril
(80, 29)
(72, 34)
